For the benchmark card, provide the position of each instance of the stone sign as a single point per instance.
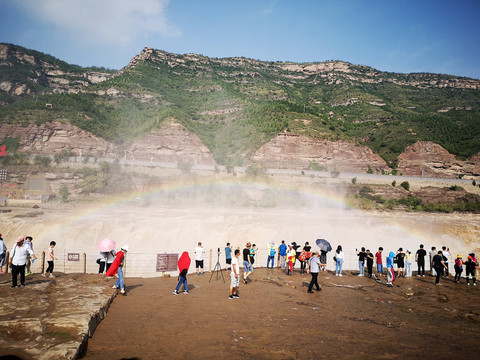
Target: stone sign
(167, 262)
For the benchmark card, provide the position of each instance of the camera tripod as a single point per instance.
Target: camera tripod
(217, 268)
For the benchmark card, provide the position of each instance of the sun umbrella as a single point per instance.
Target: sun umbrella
(106, 245)
(324, 245)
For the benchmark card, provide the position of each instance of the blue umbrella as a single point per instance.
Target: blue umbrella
(324, 245)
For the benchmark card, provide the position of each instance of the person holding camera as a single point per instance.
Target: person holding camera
(18, 261)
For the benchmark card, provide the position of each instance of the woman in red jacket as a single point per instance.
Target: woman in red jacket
(183, 265)
(117, 268)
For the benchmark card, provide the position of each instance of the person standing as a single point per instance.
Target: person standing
(183, 265)
(235, 276)
(420, 259)
(272, 250)
(446, 258)
(291, 257)
(117, 268)
(283, 254)
(228, 255)
(253, 251)
(28, 264)
(438, 264)
(471, 269)
(458, 268)
(323, 260)
(390, 272)
(50, 258)
(378, 259)
(338, 257)
(408, 263)
(400, 263)
(432, 253)
(314, 268)
(3, 254)
(369, 257)
(199, 258)
(304, 257)
(247, 265)
(361, 261)
(18, 260)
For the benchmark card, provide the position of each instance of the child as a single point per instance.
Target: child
(458, 268)
(470, 269)
(50, 258)
(390, 272)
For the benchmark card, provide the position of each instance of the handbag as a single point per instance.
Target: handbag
(334, 258)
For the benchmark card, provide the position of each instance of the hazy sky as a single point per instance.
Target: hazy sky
(440, 36)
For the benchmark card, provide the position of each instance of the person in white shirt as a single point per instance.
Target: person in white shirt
(446, 255)
(235, 276)
(199, 258)
(18, 260)
(3, 254)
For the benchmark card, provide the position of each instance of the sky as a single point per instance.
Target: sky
(436, 36)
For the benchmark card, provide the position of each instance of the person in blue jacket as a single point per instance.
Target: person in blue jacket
(390, 272)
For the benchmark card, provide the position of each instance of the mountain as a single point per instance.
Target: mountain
(237, 105)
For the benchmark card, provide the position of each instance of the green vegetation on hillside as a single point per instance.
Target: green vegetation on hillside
(237, 105)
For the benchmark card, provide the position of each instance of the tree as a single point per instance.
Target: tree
(63, 193)
(405, 185)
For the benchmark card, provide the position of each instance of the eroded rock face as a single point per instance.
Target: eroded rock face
(52, 318)
(172, 142)
(290, 151)
(51, 138)
(425, 158)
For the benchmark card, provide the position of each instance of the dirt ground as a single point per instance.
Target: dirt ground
(275, 318)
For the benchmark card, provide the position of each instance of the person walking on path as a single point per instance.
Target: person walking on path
(313, 268)
(272, 250)
(471, 269)
(28, 264)
(183, 265)
(18, 259)
(420, 259)
(228, 255)
(361, 261)
(379, 261)
(438, 265)
(282, 249)
(247, 265)
(50, 258)
(199, 258)
(117, 268)
(338, 257)
(235, 276)
(390, 271)
(458, 268)
(3, 254)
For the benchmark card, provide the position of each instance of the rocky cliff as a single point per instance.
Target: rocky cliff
(172, 142)
(291, 151)
(41, 73)
(51, 138)
(428, 159)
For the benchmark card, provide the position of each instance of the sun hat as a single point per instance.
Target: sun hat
(459, 256)
(125, 247)
(20, 238)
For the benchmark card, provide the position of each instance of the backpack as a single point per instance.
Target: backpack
(272, 251)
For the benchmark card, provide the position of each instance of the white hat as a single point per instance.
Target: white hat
(125, 247)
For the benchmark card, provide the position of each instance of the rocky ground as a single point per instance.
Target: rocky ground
(275, 318)
(51, 318)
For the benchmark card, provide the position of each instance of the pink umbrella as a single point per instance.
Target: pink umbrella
(106, 245)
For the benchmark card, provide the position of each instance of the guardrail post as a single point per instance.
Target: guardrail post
(210, 261)
(43, 262)
(84, 263)
(7, 258)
